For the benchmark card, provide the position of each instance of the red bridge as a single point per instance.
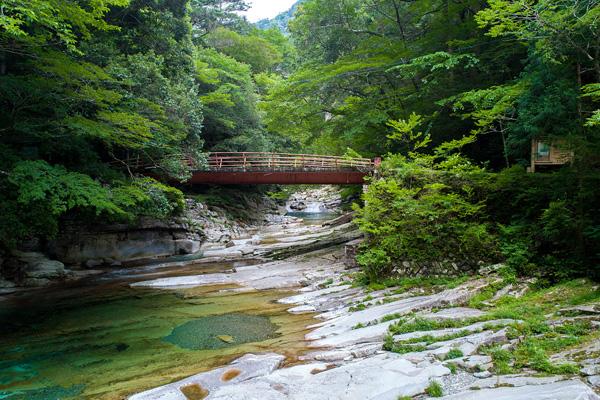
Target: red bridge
(283, 168)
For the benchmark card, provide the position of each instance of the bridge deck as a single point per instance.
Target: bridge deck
(281, 178)
(282, 168)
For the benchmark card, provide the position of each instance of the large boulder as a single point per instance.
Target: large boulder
(5, 284)
(36, 269)
(92, 246)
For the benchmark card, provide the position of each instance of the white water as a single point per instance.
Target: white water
(312, 207)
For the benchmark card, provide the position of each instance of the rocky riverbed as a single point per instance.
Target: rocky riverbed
(351, 330)
(80, 249)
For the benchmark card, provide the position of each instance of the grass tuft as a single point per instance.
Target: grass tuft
(434, 389)
(454, 353)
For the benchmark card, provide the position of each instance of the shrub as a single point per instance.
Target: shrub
(454, 353)
(407, 348)
(163, 200)
(37, 195)
(281, 196)
(421, 215)
(516, 247)
(543, 225)
(388, 342)
(501, 358)
(425, 324)
(375, 263)
(434, 389)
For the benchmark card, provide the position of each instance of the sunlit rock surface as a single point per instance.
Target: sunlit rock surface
(249, 366)
(563, 390)
(384, 376)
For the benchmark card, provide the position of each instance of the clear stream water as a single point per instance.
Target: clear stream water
(101, 339)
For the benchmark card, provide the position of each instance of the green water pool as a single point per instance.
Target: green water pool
(105, 340)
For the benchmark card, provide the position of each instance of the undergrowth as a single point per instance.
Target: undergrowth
(538, 327)
(407, 325)
(404, 284)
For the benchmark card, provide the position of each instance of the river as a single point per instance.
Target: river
(100, 338)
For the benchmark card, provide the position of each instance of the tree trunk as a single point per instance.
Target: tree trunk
(3, 66)
(504, 149)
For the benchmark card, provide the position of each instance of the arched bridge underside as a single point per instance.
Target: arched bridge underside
(283, 169)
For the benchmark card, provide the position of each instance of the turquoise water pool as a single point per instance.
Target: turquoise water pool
(101, 339)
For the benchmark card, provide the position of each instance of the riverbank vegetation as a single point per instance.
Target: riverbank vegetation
(429, 210)
(93, 93)
(543, 323)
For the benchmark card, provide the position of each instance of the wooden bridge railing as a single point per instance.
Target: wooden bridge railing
(286, 162)
(266, 162)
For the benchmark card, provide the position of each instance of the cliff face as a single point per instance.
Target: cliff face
(81, 246)
(280, 21)
(111, 245)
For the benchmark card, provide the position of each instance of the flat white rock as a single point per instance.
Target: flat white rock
(564, 390)
(382, 377)
(249, 366)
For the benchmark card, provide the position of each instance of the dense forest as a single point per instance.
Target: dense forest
(92, 89)
(451, 93)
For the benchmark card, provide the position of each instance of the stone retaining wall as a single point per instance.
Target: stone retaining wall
(442, 268)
